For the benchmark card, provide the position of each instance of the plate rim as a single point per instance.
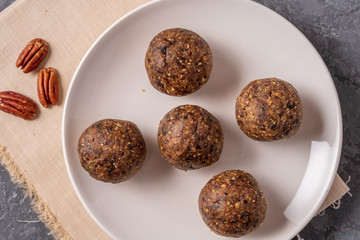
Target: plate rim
(66, 102)
(338, 133)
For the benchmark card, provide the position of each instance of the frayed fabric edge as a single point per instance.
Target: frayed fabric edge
(38, 204)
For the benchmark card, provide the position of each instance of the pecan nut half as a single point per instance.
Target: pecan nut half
(48, 86)
(17, 104)
(32, 55)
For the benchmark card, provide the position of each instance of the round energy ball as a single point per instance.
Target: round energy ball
(178, 62)
(111, 150)
(232, 204)
(190, 137)
(269, 109)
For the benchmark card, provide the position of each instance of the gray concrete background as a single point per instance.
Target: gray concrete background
(333, 27)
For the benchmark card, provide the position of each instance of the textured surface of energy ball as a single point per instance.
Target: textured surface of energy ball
(232, 204)
(269, 109)
(178, 62)
(111, 150)
(190, 137)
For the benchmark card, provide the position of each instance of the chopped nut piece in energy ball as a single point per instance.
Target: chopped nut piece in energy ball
(190, 137)
(232, 204)
(178, 62)
(269, 109)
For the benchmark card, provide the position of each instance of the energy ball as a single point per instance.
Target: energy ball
(111, 150)
(178, 62)
(232, 204)
(269, 109)
(189, 137)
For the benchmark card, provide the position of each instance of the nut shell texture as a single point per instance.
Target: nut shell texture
(178, 62)
(112, 150)
(269, 109)
(232, 204)
(190, 137)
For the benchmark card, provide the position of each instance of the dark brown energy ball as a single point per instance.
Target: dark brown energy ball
(269, 109)
(232, 204)
(190, 137)
(178, 62)
(111, 150)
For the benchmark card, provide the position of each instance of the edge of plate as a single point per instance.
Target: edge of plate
(339, 132)
(151, 2)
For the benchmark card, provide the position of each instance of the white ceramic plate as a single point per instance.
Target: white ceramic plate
(248, 42)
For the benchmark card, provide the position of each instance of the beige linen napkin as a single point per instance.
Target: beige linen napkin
(31, 150)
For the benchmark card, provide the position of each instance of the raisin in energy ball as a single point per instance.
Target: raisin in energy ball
(232, 204)
(269, 109)
(178, 62)
(112, 150)
(190, 137)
